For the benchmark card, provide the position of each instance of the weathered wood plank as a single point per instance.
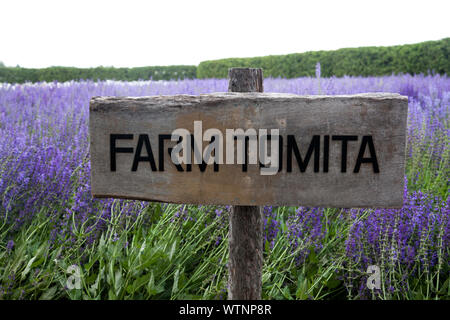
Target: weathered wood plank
(381, 116)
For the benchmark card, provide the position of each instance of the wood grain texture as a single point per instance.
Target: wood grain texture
(245, 80)
(383, 116)
(245, 238)
(245, 262)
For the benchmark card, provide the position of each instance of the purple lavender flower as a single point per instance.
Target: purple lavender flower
(10, 245)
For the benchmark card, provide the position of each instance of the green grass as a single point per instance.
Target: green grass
(163, 260)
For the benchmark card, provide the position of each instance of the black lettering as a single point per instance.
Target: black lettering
(203, 165)
(169, 151)
(189, 165)
(216, 165)
(280, 152)
(367, 140)
(114, 150)
(344, 140)
(292, 146)
(245, 164)
(161, 139)
(326, 153)
(143, 139)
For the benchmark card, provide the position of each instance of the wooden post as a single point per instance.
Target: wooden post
(246, 222)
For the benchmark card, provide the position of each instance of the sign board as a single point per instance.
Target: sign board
(251, 149)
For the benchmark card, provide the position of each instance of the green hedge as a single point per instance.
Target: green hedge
(365, 61)
(20, 75)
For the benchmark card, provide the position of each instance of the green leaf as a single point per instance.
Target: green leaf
(286, 293)
(172, 250)
(445, 287)
(151, 288)
(48, 294)
(94, 288)
(302, 288)
(176, 276)
(111, 295)
(266, 246)
(156, 213)
(311, 271)
(266, 277)
(417, 295)
(89, 279)
(28, 267)
(118, 281)
(312, 258)
(333, 283)
(141, 281)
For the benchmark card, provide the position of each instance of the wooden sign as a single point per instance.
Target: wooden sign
(333, 151)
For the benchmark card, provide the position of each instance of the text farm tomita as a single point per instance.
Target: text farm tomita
(251, 149)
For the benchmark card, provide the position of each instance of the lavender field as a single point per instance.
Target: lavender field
(140, 250)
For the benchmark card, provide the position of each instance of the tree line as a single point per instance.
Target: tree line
(21, 75)
(430, 56)
(424, 57)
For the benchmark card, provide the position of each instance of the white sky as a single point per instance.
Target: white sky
(132, 33)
